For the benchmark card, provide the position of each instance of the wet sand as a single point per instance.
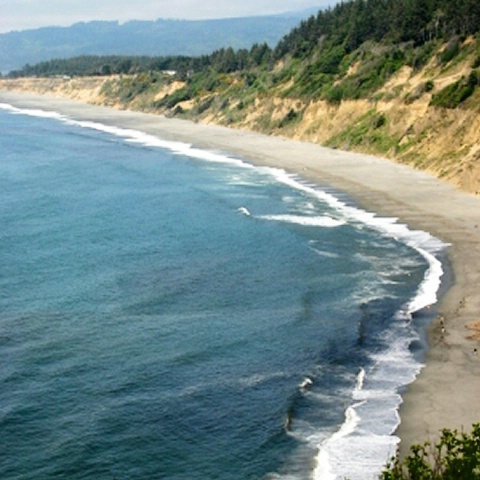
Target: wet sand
(447, 391)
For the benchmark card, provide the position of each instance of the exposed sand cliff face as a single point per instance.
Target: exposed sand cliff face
(444, 142)
(83, 89)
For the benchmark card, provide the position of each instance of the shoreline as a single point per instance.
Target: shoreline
(446, 392)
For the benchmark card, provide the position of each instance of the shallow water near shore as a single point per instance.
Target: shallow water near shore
(173, 313)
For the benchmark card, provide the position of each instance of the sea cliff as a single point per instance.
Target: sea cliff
(399, 121)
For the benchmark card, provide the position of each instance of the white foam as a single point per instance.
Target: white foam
(324, 253)
(307, 382)
(427, 291)
(31, 112)
(8, 107)
(421, 241)
(365, 441)
(360, 380)
(308, 221)
(133, 136)
(370, 438)
(424, 243)
(258, 378)
(324, 467)
(244, 211)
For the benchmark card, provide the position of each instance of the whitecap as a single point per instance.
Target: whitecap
(244, 211)
(307, 382)
(307, 221)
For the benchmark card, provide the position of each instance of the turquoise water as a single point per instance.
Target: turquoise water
(167, 313)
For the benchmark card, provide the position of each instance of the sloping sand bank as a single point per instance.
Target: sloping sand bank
(447, 391)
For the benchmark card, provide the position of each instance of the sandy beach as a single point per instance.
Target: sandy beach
(446, 393)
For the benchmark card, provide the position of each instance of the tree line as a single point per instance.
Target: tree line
(225, 60)
(333, 32)
(312, 60)
(350, 24)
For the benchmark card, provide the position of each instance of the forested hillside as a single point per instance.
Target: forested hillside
(400, 78)
(159, 37)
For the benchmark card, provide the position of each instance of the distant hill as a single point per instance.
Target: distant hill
(152, 38)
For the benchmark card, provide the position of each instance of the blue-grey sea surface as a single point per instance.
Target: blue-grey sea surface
(168, 313)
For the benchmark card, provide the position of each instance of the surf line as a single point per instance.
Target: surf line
(323, 469)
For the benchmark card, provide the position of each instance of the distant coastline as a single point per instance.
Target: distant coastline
(445, 395)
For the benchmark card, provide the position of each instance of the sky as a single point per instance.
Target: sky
(27, 14)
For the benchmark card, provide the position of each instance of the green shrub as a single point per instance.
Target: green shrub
(330, 61)
(379, 121)
(419, 91)
(289, 118)
(178, 110)
(333, 95)
(225, 103)
(451, 50)
(309, 82)
(455, 457)
(456, 93)
(429, 85)
(170, 101)
(376, 69)
(420, 56)
(204, 105)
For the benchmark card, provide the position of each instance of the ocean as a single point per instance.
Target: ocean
(173, 313)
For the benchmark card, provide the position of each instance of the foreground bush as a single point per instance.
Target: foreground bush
(455, 457)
